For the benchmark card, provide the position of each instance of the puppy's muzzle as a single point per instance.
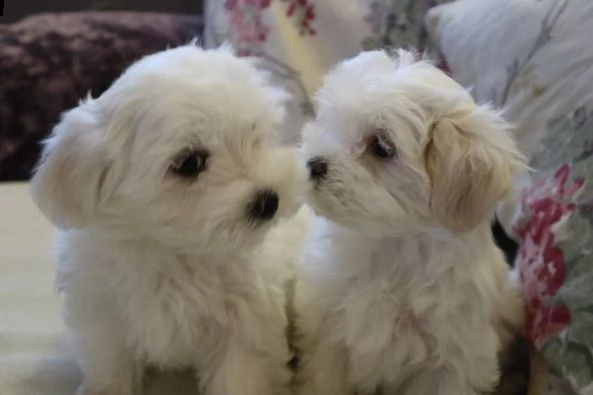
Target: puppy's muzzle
(317, 168)
(264, 206)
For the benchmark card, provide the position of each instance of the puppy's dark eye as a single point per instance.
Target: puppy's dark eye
(382, 147)
(190, 164)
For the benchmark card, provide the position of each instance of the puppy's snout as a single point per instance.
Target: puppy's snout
(317, 168)
(264, 205)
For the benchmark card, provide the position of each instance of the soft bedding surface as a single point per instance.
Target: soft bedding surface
(33, 353)
(34, 357)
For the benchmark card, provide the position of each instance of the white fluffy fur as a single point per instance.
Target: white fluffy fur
(162, 270)
(402, 289)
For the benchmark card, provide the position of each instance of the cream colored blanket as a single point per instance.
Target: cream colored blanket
(33, 353)
(34, 357)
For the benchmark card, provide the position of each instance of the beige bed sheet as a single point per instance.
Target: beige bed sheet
(34, 358)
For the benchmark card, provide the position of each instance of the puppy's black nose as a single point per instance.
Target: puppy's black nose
(263, 206)
(317, 168)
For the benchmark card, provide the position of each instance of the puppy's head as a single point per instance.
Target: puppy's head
(399, 147)
(182, 148)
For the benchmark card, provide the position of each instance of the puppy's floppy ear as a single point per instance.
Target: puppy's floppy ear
(471, 159)
(67, 183)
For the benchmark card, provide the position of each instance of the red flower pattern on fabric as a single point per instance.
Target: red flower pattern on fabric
(304, 11)
(249, 29)
(547, 205)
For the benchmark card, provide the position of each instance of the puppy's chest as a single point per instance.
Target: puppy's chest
(172, 319)
(381, 326)
(381, 313)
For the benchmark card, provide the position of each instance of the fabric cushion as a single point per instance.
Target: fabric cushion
(555, 257)
(299, 40)
(50, 61)
(519, 54)
(534, 59)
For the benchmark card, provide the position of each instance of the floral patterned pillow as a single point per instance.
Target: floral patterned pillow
(533, 58)
(555, 258)
(299, 40)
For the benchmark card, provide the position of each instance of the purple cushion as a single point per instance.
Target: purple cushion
(49, 61)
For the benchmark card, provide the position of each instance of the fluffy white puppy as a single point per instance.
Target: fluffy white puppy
(177, 208)
(403, 289)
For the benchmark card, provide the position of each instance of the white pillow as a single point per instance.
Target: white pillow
(532, 57)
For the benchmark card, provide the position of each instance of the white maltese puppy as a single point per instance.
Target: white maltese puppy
(403, 290)
(177, 207)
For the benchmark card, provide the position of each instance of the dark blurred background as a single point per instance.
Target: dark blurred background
(17, 9)
(55, 52)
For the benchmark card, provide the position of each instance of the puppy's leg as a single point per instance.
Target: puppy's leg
(244, 371)
(324, 371)
(108, 369)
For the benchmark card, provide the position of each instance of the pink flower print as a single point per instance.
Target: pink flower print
(304, 13)
(249, 30)
(542, 266)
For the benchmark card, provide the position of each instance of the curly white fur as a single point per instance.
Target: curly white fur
(402, 289)
(167, 270)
